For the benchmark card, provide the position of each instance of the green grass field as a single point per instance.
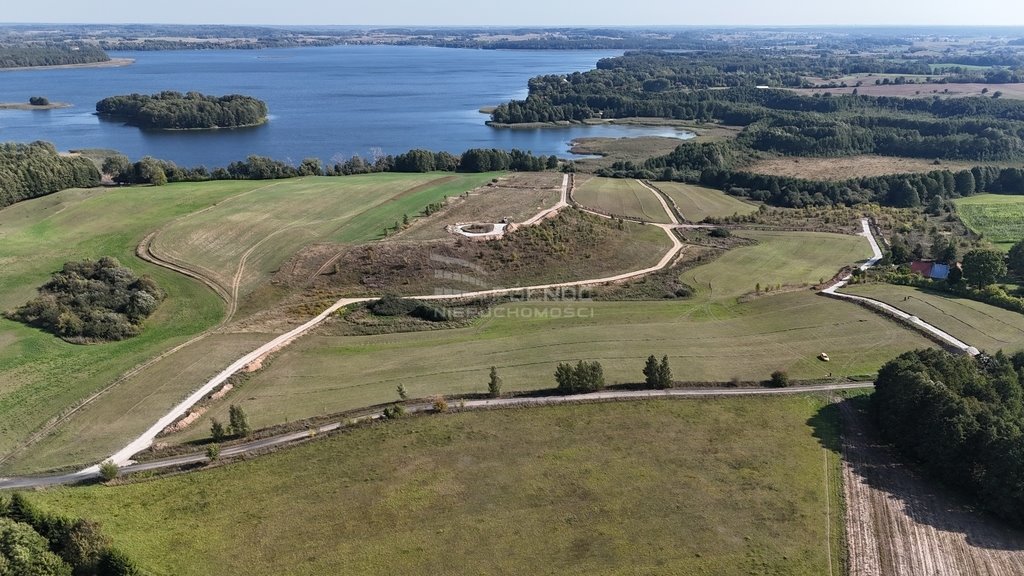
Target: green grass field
(323, 374)
(999, 218)
(789, 258)
(266, 226)
(621, 197)
(41, 376)
(714, 487)
(981, 325)
(697, 202)
(710, 337)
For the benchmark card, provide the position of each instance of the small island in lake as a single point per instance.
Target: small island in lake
(176, 111)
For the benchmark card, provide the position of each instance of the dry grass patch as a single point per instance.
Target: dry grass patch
(849, 167)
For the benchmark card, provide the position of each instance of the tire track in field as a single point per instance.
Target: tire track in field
(144, 252)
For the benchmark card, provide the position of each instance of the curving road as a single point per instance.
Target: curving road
(928, 329)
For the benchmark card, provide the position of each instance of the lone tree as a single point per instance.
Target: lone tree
(39, 101)
(651, 372)
(494, 385)
(217, 432)
(983, 267)
(403, 394)
(664, 373)
(237, 421)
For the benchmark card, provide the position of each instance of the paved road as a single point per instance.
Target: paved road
(491, 403)
(890, 310)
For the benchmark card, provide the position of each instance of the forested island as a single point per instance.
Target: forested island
(191, 111)
(50, 54)
(36, 169)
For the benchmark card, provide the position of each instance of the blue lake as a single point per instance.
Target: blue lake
(329, 103)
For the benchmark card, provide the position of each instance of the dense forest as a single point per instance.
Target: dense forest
(176, 111)
(736, 88)
(49, 54)
(92, 300)
(962, 419)
(31, 170)
(37, 543)
(720, 165)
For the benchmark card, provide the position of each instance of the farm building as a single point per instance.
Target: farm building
(933, 270)
(921, 267)
(939, 271)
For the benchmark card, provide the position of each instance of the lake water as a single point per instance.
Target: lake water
(329, 102)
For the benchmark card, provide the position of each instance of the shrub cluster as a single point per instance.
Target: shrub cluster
(394, 306)
(92, 300)
(581, 378)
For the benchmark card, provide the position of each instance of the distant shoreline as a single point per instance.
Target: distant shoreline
(112, 63)
(27, 106)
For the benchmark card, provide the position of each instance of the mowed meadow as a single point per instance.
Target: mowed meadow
(718, 487)
(999, 219)
(43, 377)
(697, 202)
(621, 197)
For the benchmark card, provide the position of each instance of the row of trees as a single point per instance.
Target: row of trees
(36, 169)
(719, 165)
(92, 300)
(50, 54)
(962, 419)
(37, 543)
(153, 171)
(170, 110)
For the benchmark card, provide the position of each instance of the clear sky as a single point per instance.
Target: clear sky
(524, 12)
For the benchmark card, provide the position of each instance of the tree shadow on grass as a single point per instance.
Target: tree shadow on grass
(846, 428)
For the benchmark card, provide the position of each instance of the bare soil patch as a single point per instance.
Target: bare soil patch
(898, 522)
(845, 168)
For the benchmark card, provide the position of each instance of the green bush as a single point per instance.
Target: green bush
(393, 306)
(394, 412)
(92, 300)
(779, 379)
(108, 471)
